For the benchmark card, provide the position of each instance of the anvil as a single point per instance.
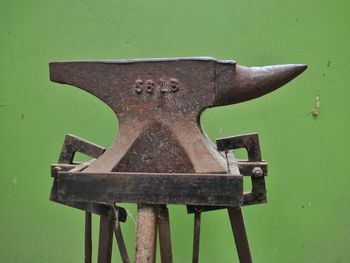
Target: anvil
(158, 103)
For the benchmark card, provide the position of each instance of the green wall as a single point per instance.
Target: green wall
(307, 217)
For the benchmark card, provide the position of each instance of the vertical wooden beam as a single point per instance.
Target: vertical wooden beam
(146, 234)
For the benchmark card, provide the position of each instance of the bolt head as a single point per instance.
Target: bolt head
(257, 172)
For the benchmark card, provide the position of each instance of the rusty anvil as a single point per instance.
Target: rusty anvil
(162, 155)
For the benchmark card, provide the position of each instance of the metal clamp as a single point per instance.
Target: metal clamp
(71, 145)
(253, 167)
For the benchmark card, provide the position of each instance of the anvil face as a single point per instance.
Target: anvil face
(159, 102)
(160, 89)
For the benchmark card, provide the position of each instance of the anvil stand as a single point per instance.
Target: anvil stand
(111, 216)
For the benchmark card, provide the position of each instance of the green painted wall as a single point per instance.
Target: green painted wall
(307, 217)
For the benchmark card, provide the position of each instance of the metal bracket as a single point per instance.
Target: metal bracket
(71, 145)
(253, 167)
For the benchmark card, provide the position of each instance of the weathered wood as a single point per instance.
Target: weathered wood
(151, 188)
(146, 234)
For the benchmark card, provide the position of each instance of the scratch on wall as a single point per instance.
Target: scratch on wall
(315, 111)
(14, 181)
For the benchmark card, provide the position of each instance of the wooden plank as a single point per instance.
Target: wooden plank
(151, 188)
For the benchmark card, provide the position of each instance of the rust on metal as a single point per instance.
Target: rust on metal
(162, 154)
(73, 144)
(119, 237)
(251, 143)
(158, 104)
(240, 235)
(105, 237)
(163, 224)
(88, 238)
(196, 236)
(151, 188)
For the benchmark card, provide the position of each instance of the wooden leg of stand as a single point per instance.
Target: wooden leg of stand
(240, 235)
(106, 238)
(88, 238)
(146, 234)
(164, 235)
(196, 234)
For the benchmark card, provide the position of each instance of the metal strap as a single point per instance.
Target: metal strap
(240, 235)
(196, 233)
(119, 237)
(88, 238)
(164, 235)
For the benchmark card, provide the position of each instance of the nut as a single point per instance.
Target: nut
(257, 172)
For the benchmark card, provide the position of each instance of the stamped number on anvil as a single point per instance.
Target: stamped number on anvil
(150, 86)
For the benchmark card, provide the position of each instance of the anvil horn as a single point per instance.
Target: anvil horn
(253, 82)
